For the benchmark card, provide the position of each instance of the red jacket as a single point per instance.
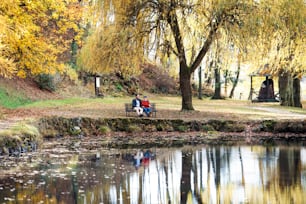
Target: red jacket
(145, 104)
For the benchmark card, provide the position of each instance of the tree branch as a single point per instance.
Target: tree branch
(215, 24)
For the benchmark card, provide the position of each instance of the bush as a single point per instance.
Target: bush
(157, 79)
(104, 129)
(207, 128)
(45, 82)
(181, 128)
(134, 129)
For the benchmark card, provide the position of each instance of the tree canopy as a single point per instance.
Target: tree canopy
(121, 35)
(35, 34)
(158, 28)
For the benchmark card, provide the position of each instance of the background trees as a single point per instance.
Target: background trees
(186, 29)
(36, 35)
(40, 36)
(280, 44)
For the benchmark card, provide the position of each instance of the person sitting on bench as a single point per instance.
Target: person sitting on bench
(145, 104)
(136, 104)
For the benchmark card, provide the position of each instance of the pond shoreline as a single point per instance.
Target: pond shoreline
(149, 132)
(139, 132)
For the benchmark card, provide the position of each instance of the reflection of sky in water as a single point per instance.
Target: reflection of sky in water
(216, 175)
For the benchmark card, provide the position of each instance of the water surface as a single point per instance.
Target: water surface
(198, 174)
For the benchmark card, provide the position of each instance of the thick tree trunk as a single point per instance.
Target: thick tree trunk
(297, 93)
(185, 86)
(217, 94)
(289, 90)
(285, 89)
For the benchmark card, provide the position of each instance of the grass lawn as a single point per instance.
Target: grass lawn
(169, 107)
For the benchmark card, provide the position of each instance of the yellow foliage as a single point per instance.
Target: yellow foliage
(35, 33)
(281, 35)
(108, 50)
(70, 73)
(7, 67)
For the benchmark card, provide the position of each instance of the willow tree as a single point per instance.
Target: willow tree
(290, 50)
(110, 47)
(185, 29)
(280, 43)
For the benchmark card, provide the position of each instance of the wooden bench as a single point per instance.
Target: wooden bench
(129, 109)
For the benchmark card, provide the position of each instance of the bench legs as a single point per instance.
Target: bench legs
(153, 113)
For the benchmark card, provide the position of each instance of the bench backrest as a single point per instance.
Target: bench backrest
(128, 106)
(153, 106)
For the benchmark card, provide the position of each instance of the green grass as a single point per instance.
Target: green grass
(75, 102)
(19, 134)
(56, 102)
(12, 100)
(167, 106)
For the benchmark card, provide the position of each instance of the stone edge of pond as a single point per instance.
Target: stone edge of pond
(147, 132)
(152, 132)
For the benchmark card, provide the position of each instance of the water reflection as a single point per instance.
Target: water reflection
(210, 174)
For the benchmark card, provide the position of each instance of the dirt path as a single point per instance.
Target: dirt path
(282, 114)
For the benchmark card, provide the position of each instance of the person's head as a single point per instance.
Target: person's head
(145, 98)
(136, 95)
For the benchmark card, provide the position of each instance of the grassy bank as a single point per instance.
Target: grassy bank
(12, 100)
(169, 107)
(21, 137)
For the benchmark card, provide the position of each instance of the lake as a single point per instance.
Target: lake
(192, 174)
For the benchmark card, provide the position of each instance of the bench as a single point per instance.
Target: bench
(129, 109)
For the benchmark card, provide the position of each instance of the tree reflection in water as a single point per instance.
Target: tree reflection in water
(209, 174)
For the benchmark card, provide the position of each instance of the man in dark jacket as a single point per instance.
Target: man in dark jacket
(136, 103)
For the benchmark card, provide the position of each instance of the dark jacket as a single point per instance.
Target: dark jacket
(134, 102)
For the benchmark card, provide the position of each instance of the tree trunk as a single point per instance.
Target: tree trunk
(217, 94)
(251, 90)
(289, 90)
(185, 86)
(297, 93)
(235, 82)
(285, 89)
(200, 83)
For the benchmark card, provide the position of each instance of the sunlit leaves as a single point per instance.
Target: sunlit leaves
(281, 36)
(111, 47)
(109, 50)
(36, 33)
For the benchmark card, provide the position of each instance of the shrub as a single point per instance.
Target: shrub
(133, 129)
(157, 79)
(104, 129)
(181, 128)
(45, 82)
(207, 128)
